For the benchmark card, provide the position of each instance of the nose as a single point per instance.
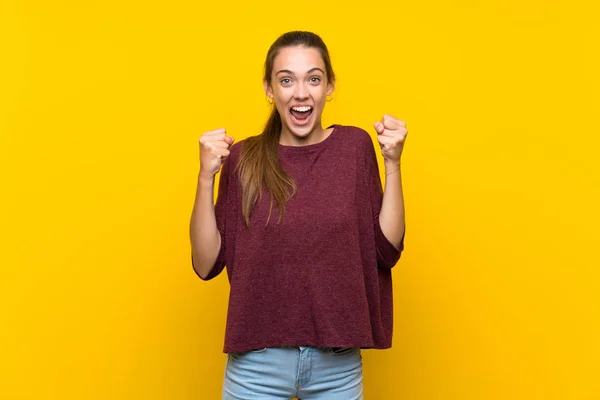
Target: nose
(301, 91)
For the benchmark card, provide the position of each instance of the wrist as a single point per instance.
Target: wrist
(206, 180)
(391, 165)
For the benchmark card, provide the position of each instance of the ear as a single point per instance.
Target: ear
(268, 90)
(330, 88)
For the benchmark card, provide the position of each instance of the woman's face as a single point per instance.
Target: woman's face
(299, 89)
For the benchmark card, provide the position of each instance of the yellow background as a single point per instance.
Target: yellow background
(101, 105)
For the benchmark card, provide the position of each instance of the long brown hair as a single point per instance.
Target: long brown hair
(259, 165)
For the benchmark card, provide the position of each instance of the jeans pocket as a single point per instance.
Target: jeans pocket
(259, 350)
(242, 354)
(339, 351)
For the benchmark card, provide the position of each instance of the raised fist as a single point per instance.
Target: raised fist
(214, 149)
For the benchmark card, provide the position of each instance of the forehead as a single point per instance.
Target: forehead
(298, 59)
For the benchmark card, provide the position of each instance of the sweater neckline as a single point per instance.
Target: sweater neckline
(309, 147)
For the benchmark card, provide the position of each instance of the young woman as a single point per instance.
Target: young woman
(306, 233)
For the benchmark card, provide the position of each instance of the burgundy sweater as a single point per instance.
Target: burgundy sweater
(322, 276)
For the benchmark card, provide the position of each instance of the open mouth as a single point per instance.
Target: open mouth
(300, 115)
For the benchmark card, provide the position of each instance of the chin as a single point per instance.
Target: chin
(301, 132)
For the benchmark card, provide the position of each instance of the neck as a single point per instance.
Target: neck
(287, 138)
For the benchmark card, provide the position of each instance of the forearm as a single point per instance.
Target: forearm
(391, 216)
(204, 235)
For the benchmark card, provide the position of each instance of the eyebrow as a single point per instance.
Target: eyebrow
(287, 71)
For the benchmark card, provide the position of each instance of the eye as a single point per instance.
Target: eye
(286, 81)
(315, 79)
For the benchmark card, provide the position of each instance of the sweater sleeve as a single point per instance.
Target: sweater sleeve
(387, 254)
(220, 215)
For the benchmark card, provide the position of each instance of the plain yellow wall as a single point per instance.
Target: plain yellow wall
(102, 103)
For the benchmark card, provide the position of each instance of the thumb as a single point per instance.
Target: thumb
(379, 127)
(229, 140)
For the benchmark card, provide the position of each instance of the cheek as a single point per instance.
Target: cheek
(321, 95)
(321, 99)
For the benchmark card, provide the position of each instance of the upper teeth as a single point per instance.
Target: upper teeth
(302, 109)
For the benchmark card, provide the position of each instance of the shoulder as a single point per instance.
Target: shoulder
(353, 132)
(231, 162)
(240, 148)
(235, 151)
(236, 148)
(356, 135)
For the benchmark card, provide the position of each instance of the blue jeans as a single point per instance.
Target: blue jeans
(305, 372)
